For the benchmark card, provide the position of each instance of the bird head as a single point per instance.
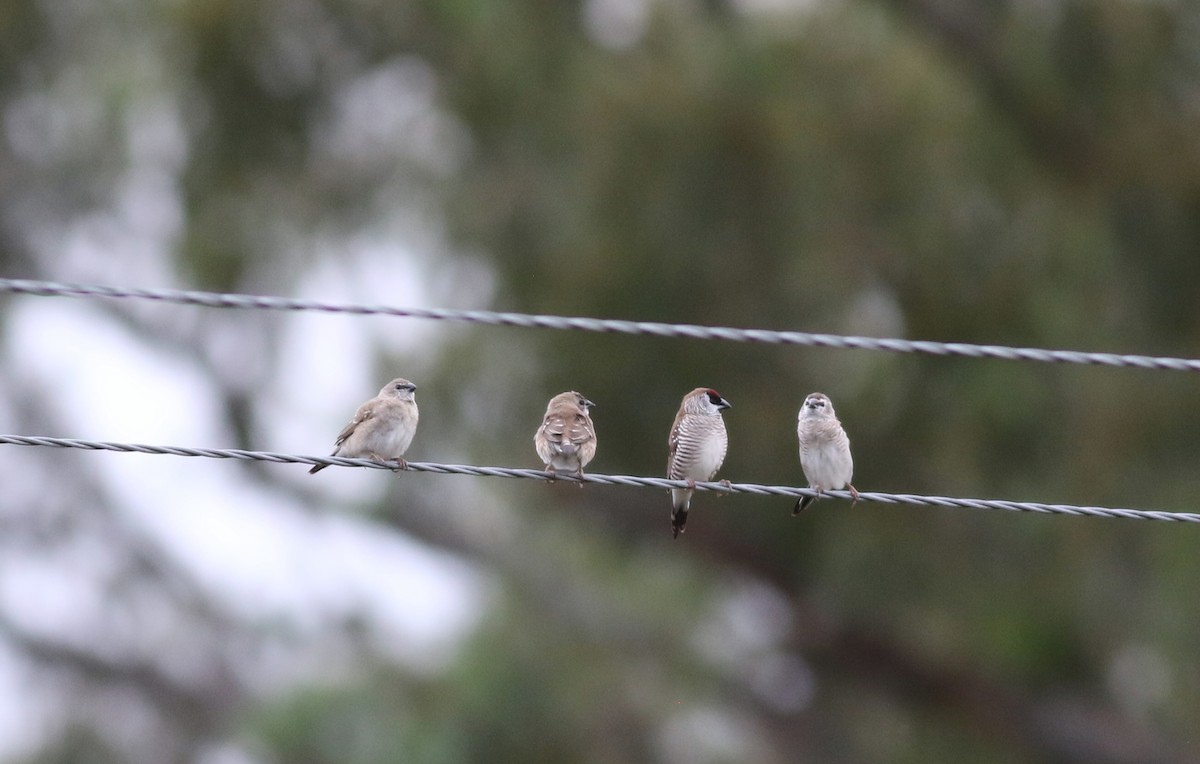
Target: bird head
(399, 388)
(816, 405)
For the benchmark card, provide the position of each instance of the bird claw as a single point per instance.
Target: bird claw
(853, 495)
(384, 462)
(400, 463)
(728, 488)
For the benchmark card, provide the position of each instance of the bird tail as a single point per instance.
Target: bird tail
(681, 499)
(317, 468)
(803, 504)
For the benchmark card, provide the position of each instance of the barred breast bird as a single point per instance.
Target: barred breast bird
(566, 439)
(383, 427)
(697, 448)
(824, 450)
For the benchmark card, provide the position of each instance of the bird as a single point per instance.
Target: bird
(382, 428)
(566, 439)
(697, 444)
(824, 450)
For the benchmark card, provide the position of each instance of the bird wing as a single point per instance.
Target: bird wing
(566, 434)
(553, 428)
(673, 442)
(365, 412)
(579, 431)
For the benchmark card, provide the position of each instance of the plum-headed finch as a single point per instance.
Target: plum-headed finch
(697, 446)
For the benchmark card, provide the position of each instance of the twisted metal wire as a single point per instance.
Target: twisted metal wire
(623, 480)
(692, 331)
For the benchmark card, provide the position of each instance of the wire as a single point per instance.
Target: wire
(693, 331)
(761, 336)
(623, 480)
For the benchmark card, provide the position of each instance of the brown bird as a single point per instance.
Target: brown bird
(697, 444)
(566, 439)
(383, 427)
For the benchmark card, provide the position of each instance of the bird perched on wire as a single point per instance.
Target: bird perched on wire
(824, 450)
(566, 439)
(383, 427)
(697, 446)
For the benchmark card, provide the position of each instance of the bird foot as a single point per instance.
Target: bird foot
(400, 463)
(381, 460)
(853, 495)
(728, 488)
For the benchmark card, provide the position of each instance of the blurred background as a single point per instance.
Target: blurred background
(1022, 172)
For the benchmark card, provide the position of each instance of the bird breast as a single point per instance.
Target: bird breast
(826, 461)
(391, 432)
(701, 448)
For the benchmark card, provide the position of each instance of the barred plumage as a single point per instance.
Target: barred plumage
(697, 444)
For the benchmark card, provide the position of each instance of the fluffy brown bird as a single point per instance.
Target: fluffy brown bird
(566, 439)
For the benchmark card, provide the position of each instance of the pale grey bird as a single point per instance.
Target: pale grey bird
(824, 450)
(697, 448)
(383, 427)
(566, 439)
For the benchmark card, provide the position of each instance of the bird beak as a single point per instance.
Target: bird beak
(588, 403)
(724, 404)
